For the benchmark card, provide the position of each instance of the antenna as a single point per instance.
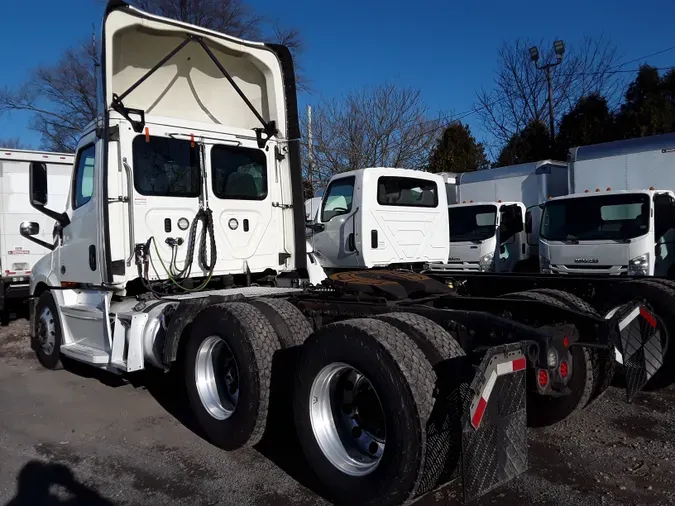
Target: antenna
(310, 146)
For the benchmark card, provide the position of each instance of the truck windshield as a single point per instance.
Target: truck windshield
(600, 217)
(472, 223)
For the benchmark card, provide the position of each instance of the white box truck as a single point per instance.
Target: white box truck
(619, 218)
(18, 254)
(479, 241)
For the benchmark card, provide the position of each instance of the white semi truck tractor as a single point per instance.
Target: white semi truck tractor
(182, 247)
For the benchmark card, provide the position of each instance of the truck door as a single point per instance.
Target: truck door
(511, 238)
(243, 188)
(167, 185)
(664, 235)
(80, 257)
(333, 240)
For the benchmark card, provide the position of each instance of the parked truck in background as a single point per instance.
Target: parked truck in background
(18, 254)
(619, 218)
(491, 221)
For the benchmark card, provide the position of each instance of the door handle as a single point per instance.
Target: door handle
(92, 257)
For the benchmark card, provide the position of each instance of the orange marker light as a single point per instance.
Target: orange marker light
(586, 191)
(192, 140)
(609, 189)
(597, 189)
(147, 134)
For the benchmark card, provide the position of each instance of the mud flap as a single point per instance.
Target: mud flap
(641, 346)
(494, 432)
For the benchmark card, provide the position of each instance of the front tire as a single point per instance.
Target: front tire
(228, 369)
(48, 334)
(364, 392)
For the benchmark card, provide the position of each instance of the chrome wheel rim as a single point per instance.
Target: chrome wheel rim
(217, 377)
(46, 332)
(347, 419)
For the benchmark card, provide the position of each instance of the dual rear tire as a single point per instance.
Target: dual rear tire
(360, 386)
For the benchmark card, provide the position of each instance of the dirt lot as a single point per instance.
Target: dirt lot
(73, 438)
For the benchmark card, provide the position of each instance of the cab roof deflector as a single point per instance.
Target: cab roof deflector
(262, 134)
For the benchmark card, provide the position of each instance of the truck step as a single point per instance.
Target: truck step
(82, 312)
(87, 354)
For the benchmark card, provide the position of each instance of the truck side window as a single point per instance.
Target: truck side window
(338, 198)
(238, 173)
(83, 180)
(406, 191)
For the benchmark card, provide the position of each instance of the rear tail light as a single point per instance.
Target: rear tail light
(564, 369)
(542, 378)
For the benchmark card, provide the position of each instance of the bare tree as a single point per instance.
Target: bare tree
(380, 126)
(62, 97)
(519, 95)
(12, 143)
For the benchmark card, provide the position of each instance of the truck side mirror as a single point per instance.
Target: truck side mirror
(30, 228)
(528, 222)
(38, 184)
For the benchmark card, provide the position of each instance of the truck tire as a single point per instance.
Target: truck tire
(233, 342)
(444, 427)
(290, 324)
(604, 362)
(543, 410)
(661, 298)
(383, 385)
(48, 334)
(436, 343)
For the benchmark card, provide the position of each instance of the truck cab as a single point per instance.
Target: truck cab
(487, 236)
(382, 217)
(615, 233)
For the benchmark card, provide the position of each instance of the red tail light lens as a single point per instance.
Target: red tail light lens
(564, 369)
(543, 378)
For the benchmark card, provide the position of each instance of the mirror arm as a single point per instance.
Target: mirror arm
(42, 243)
(62, 218)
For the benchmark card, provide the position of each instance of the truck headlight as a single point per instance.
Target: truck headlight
(639, 266)
(545, 265)
(487, 263)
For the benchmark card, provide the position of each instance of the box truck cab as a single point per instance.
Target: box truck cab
(484, 201)
(382, 217)
(618, 218)
(622, 233)
(486, 236)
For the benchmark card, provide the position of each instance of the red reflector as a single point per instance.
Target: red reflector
(27, 272)
(648, 316)
(564, 369)
(68, 284)
(566, 342)
(520, 364)
(45, 156)
(543, 377)
(8, 154)
(478, 415)
(10, 272)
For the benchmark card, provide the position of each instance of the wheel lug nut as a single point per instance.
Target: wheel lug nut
(356, 432)
(373, 447)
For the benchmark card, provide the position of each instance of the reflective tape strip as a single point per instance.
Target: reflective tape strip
(487, 389)
(631, 316)
(648, 316)
(502, 369)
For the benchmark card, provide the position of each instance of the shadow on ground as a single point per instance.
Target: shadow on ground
(40, 484)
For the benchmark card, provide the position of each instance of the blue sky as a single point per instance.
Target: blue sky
(446, 49)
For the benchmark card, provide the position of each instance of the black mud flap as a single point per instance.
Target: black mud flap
(640, 344)
(494, 432)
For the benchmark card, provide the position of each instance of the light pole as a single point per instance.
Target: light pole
(559, 48)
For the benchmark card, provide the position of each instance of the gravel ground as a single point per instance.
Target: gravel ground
(77, 437)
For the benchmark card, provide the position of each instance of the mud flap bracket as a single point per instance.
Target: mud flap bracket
(494, 431)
